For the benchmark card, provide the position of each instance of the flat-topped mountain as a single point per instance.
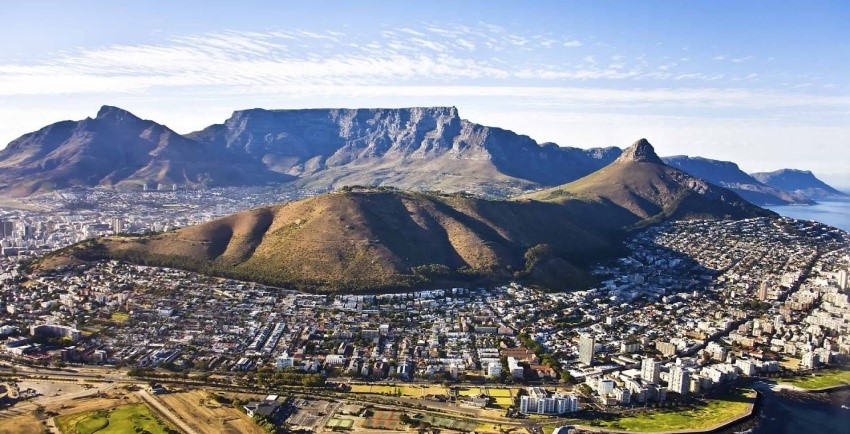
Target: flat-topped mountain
(800, 182)
(420, 148)
(727, 174)
(642, 189)
(385, 239)
(117, 148)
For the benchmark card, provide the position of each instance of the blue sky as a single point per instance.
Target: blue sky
(762, 83)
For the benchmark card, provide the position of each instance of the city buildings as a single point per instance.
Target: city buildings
(650, 370)
(587, 348)
(539, 401)
(679, 380)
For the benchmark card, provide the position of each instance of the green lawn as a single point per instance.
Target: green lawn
(497, 392)
(120, 316)
(449, 423)
(829, 378)
(705, 416)
(119, 420)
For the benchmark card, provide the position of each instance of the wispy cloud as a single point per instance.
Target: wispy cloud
(431, 57)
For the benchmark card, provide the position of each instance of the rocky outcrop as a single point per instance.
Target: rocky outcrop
(420, 148)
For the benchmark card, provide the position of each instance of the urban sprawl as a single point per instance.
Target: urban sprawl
(693, 306)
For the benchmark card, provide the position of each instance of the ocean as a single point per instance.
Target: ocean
(834, 213)
(794, 413)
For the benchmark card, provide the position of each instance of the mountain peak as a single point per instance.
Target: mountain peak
(640, 151)
(109, 112)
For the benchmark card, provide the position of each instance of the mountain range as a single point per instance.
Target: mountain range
(728, 174)
(384, 239)
(799, 182)
(117, 148)
(420, 148)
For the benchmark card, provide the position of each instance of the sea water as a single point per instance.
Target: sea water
(834, 212)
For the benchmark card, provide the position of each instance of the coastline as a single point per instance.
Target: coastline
(751, 411)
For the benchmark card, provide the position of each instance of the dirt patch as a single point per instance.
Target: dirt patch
(23, 424)
(200, 411)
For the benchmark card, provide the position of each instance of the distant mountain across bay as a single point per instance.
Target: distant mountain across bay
(419, 149)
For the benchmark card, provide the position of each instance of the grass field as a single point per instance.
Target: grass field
(410, 391)
(418, 392)
(337, 423)
(829, 378)
(23, 424)
(446, 422)
(499, 392)
(503, 402)
(120, 317)
(712, 414)
(471, 391)
(374, 388)
(125, 419)
(382, 419)
(201, 412)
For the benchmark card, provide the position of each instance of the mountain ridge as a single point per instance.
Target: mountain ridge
(117, 148)
(415, 148)
(384, 239)
(641, 184)
(404, 148)
(727, 174)
(801, 182)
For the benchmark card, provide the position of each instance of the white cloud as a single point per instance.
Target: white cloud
(465, 44)
(279, 59)
(572, 43)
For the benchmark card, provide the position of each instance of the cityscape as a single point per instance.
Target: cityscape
(693, 309)
(557, 217)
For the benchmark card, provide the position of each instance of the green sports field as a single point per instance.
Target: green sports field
(126, 419)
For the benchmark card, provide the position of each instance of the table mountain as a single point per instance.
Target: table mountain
(799, 182)
(421, 148)
(727, 174)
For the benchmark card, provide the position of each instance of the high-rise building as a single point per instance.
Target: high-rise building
(586, 349)
(7, 229)
(539, 401)
(667, 349)
(842, 279)
(494, 369)
(679, 380)
(763, 291)
(650, 370)
(117, 225)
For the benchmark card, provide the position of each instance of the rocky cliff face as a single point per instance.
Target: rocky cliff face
(421, 148)
(728, 174)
